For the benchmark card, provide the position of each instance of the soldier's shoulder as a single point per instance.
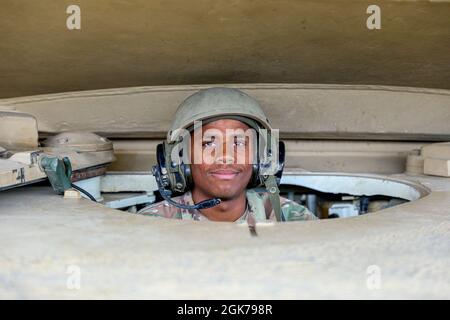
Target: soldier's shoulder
(160, 209)
(294, 211)
(152, 209)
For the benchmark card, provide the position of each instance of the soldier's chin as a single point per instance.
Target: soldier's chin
(227, 193)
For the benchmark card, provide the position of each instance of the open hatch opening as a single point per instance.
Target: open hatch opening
(327, 195)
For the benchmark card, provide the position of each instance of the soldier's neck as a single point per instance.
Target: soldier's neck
(228, 210)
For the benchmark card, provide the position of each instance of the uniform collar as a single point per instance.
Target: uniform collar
(194, 214)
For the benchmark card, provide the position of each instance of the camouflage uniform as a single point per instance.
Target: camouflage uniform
(258, 209)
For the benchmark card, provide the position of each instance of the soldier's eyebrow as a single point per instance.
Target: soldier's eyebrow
(241, 137)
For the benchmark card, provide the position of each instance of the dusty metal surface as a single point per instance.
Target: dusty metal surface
(18, 131)
(140, 42)
(300, 111)
(124, 255)
(326, 127)
(382, 157)
(356, 184)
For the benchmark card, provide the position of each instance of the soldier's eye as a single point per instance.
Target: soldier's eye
(208, 144)
(239, 142)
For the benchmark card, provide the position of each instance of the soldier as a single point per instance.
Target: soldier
(220, 170)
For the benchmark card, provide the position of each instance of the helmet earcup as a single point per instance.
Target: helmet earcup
(257, 180)
(185, 170)
(281, 159)
(177, 177)
(189, 183)
(161, 166)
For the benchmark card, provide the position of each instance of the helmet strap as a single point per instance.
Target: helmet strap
(274, 196)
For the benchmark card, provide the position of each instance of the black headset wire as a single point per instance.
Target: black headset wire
(87, 194)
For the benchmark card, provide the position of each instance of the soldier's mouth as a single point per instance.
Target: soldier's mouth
(224, 174)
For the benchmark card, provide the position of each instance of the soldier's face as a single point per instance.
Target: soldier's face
(222, 163)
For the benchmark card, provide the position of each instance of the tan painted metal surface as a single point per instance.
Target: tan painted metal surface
(140, 42)
(122, 255)
(383, 157)
(300, 111)
(320, 122)
(18, 131)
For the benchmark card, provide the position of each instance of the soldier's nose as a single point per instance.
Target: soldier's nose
(225, 160)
